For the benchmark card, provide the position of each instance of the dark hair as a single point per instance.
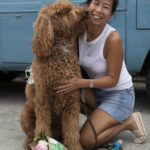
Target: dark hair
(114, 7)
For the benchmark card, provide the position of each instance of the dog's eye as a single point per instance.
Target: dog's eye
(86, 12)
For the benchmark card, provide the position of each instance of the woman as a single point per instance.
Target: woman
(109, 91)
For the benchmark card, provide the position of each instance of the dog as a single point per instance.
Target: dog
(55, 60)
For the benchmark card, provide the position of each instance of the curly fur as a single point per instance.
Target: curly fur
(45, 111)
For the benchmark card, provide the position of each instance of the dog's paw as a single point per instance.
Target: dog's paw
(26, 144)
(26, 147)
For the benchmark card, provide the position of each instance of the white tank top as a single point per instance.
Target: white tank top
(94, 63)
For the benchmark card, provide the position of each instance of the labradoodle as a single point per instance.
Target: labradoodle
(55, 60)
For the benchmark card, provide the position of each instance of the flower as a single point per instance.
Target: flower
(42, 145)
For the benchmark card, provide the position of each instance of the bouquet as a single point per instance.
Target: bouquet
(46, 143)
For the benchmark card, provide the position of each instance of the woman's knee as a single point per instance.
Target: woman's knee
(87, 141)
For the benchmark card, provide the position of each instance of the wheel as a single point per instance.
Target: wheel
(148, 83)
(8, 75)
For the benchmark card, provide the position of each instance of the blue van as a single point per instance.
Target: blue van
(132, 20)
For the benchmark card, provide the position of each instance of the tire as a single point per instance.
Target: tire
(148, 83)
(8, 75)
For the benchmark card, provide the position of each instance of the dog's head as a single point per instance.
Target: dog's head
(67, 20)
(55, 22)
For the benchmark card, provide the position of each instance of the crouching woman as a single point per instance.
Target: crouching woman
(109, 92)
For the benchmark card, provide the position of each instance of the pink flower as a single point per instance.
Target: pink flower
(42, 145)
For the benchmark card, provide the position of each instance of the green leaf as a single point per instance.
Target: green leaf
(43, 137)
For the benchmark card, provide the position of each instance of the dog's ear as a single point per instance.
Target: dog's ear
(43, 34)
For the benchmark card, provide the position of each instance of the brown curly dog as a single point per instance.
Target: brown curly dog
(55, 60)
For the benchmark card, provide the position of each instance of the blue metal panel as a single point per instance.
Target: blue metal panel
(142, 46)
(143, 14)
(77, 2)
(119, 22)
(17, 17)
(131, 55)
(20, 6)
(122, 5)
(16, 33)
(0, 41)
(16, 29)
(138, 43)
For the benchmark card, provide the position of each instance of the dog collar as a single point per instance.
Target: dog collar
(66, 48)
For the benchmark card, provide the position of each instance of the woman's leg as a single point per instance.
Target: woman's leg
(90, 99)
(90, 102)
(106, 128)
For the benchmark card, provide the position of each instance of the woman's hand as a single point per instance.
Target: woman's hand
(68, 86)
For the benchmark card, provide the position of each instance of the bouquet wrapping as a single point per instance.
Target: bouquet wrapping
(46, 143)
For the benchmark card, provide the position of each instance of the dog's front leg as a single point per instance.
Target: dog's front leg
(70, 133)
(42, 113)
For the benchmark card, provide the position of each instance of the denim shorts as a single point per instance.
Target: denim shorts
(118, 104)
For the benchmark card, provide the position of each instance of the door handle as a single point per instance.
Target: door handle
(19, 16)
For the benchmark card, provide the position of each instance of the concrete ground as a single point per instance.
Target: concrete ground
(12, 99)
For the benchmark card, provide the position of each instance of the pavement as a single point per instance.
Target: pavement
(12, 99)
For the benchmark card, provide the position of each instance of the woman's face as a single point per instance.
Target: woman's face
(100, 11)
